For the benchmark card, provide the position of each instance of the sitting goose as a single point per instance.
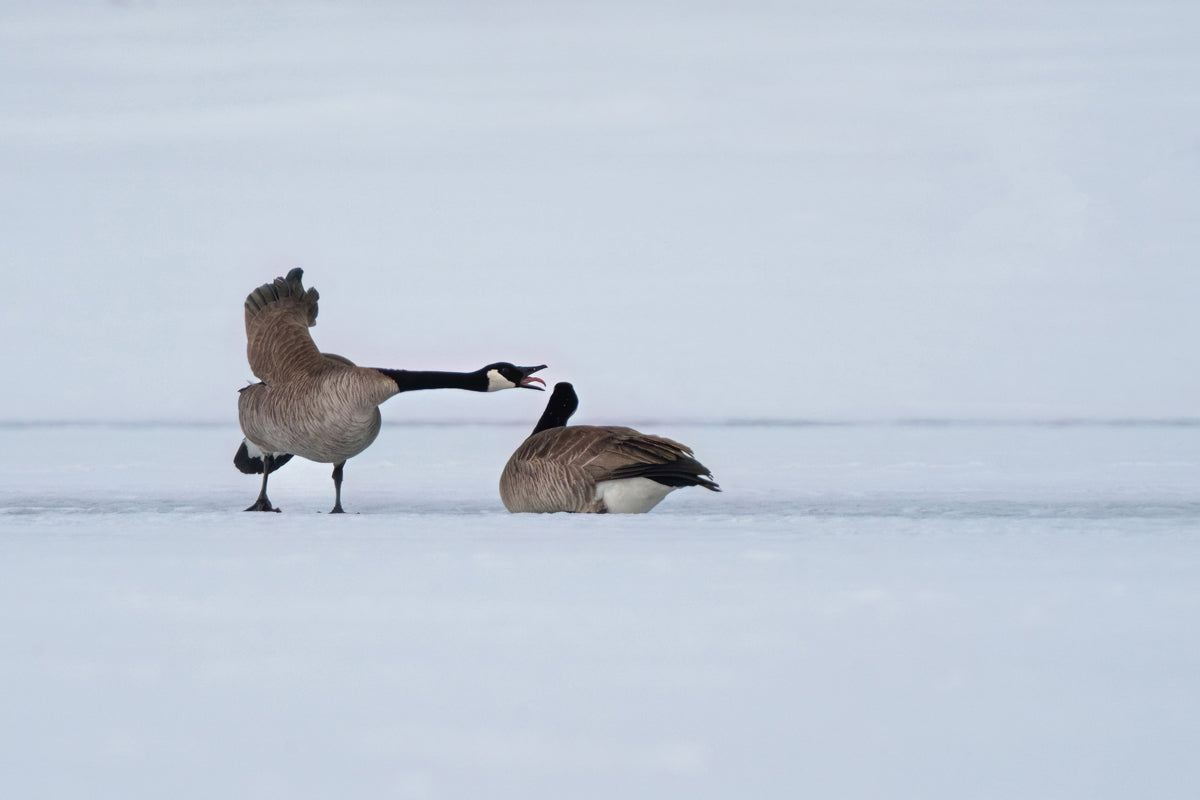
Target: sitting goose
(319, 405)
(594, 469)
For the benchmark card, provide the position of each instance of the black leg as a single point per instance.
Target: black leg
(262, 503)
(337, 488)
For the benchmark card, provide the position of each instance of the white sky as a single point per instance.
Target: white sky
(693, 210)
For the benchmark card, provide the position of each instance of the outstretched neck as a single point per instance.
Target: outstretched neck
(413, 380)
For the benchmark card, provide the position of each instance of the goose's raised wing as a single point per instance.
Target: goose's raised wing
(278, 316)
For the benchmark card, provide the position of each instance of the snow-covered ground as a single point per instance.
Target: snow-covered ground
(867, 611)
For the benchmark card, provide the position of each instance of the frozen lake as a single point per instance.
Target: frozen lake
(752, 209)
(900, 610)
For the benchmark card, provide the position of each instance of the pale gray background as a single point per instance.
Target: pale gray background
(692, 210)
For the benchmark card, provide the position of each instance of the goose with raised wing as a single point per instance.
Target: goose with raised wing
(318, 405)
(593, 469)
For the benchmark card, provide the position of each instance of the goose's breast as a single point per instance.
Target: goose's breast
(318, 426)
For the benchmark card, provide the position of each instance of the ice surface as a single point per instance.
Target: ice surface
(870, 611)
(693, 210)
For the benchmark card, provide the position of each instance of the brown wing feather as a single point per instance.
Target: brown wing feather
(540, 486)
(600, 450)
(278, 316)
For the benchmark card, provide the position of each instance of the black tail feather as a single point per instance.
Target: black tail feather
(252, 464)
(684, 472)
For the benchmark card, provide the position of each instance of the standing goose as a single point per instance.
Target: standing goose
(318, 405)
(593, 469)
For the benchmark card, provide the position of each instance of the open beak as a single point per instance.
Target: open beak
(528, 382)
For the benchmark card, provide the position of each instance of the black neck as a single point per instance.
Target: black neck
(559, 409)
(413, 380)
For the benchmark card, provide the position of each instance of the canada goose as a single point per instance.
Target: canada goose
(594, 469)
(319, 405)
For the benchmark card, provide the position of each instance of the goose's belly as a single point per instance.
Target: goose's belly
(631, 495)
(302, 427)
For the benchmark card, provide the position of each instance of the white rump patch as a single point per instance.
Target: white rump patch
(252, 449)
(631, 495)
(496, 381)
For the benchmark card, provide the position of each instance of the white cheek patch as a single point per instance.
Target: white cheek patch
(496, 381)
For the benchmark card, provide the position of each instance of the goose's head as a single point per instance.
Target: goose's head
(509, 376)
